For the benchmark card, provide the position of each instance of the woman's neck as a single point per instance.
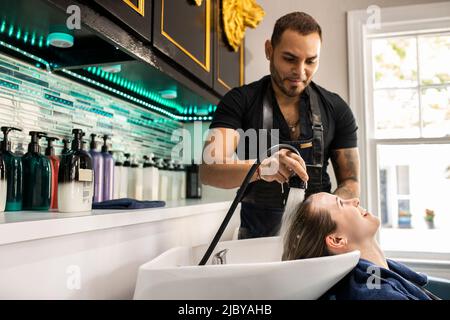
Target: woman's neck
(372, 252)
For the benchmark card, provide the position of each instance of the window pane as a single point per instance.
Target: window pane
(394, 62)
(396, 114)
(415, 197)
(434, 55)
(436, 111)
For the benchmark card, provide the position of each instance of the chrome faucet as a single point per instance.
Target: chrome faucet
(220, 257)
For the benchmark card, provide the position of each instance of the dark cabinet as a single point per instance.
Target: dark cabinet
(228, 64)
(135, 14)
(182, 30)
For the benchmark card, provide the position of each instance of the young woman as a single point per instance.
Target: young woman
(327, 225)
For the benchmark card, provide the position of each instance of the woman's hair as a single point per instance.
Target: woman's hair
(305, 237)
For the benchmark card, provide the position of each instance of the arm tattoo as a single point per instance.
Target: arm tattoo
(346, 168)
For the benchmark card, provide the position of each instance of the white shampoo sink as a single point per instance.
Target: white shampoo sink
(253, 270)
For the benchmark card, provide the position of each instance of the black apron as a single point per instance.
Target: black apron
(260, 219)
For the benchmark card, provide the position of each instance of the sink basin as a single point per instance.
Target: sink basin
(253, 270)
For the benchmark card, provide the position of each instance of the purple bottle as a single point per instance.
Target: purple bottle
(108, 176)
(97, 164)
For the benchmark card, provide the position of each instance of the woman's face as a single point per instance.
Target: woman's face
(354, 223)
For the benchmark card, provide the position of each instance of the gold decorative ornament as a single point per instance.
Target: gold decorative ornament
(237, 15)
(198, 2)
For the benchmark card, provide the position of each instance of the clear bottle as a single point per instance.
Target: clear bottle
(3, 184)
(37, 175)
(108, 175)
(54, 163)
(14, 172)
(97, 162)
(75, 178)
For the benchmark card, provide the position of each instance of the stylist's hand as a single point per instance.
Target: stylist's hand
(281, 166)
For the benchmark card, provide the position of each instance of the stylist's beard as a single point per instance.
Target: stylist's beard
(279, 82)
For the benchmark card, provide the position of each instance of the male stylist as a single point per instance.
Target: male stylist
(317, 122)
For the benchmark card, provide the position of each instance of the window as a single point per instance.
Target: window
(405, 107)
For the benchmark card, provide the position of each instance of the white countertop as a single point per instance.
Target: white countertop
(31, 225)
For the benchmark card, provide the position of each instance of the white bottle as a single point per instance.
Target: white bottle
(151, 179)
(138, 180)
(174, 186)
(183, 182)
(118, 165)
(124, 177)
(163, 180)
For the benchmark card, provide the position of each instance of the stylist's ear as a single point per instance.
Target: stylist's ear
(268, 49)
(336, 244)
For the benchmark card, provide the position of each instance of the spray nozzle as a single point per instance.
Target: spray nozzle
(50, 151)
(6, 145)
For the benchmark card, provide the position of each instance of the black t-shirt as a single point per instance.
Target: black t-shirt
(241, 108)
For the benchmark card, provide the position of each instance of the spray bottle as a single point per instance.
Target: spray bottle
(14, 171)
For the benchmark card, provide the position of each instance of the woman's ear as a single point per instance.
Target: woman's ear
(268, 49)
(336, 243)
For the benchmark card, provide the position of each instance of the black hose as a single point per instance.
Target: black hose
(238, 198)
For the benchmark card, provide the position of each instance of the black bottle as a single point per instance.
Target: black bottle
(37, 175)
(193, 184)
(14, 171)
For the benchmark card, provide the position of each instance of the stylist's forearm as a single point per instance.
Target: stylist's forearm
(226, 176)
(348, 189)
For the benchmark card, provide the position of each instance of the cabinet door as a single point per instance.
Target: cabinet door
(135, 14)
(228, 64)
(182, 31)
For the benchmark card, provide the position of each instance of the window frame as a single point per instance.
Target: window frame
(404, 20)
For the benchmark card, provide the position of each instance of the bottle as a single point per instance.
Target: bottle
(75, 178)
(37, 176)
(3, 184)
(66, 146)
(97, 163)
(163, 180)
(20, 151)
(193, 185)
(14, 173)
(135, 183)
(118, 165)
(151, 179)
(124, 176)
(108, 174)
(174, 185)
(54, 163)
(182, 171)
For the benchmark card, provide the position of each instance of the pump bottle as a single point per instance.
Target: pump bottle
(54, 162)
(75, 178)
(108, 174)
(14, 171)
(37, 175)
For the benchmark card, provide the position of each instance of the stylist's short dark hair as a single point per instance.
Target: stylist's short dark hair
(301, 22)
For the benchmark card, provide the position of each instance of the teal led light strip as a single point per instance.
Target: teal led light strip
(23, 35)
(129, 85)
(33, 39)
(26, 54)
(127, 96)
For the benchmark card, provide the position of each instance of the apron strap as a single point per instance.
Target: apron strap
(316, 119)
